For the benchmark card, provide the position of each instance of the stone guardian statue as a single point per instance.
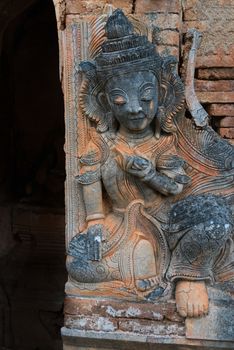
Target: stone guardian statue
(157, 188)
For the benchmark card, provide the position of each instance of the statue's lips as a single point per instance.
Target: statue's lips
(137, 117)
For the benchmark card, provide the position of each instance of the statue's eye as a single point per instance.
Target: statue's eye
(119, 100)
(147, 95)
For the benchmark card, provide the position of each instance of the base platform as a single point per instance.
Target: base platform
(105, 323)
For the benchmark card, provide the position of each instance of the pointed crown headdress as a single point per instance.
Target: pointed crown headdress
(123, 49)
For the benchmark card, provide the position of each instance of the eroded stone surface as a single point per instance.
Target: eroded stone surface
(218, 324)
(215, 20)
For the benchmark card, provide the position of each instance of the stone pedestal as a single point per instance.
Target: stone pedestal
(109, 324)
(80, 340)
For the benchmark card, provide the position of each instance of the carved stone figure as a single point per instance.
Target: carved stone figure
(157, 186)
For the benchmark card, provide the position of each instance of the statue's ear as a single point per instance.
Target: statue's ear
(102, 100)
(92, 97)
(171, 94)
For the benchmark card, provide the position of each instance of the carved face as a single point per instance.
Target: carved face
(133, 99)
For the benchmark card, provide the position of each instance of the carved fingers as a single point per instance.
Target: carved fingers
(94, 242)
(138, 166)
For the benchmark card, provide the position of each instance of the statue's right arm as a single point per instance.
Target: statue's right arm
(95, 232)
(92, 194)
(89, 178)
(168, 181)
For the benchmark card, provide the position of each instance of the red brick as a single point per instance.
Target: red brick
(191, 11)
(225, 2)
(143, 6)
(227, 122)
(218, 60)
(221, 110)
(199, 25)
(219, 85)
(214, 18)
(168, 37)
(96, 7)
(227, 133)
(123, 309)
(215, 73)
(83, 7)
(213, 97)
(167, 21)
(125, 5)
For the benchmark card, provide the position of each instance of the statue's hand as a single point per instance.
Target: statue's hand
(88, 243)
(95, 235)
(138, 166)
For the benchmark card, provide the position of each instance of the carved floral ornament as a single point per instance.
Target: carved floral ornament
(157, 189)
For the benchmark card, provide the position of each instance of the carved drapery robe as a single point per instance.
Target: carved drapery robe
(183, 236)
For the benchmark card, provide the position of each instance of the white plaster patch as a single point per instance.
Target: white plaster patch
(114, 313)
(158, 316)
(131, 311)
(82, 322)
(105, 325)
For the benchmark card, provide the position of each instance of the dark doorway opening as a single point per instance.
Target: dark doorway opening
(32, 173)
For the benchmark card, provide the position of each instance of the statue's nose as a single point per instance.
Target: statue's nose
(134, 107)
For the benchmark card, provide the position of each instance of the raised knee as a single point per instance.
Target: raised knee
(144, 260)
(208, 211)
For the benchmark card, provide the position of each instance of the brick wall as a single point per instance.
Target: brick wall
(215, 63)
(169, 21)
(164, 18)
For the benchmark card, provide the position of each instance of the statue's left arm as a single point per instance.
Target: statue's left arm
(167, 182)
(168, 177)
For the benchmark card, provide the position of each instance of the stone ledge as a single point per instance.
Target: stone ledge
(76, 340)
(100, 323)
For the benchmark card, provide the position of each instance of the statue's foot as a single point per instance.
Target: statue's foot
(191, 298)
(146, 284)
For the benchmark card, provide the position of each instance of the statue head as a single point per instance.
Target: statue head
(129, 82)
(133, 99)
